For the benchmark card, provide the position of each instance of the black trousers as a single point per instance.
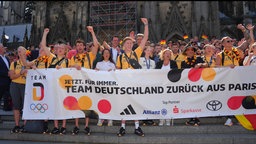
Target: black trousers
(5, 95)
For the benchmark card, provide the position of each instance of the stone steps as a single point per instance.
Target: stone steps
(190, 136)
(211, 131)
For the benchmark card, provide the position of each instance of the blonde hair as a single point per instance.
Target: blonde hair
(22, 50)
(161, 54)
(21, 47)
(208, 45)
(224, 38)
(253, 45)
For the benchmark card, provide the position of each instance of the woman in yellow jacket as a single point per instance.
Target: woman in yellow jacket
(18, 74)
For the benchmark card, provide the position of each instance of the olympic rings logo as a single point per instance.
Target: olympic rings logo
(39, 107)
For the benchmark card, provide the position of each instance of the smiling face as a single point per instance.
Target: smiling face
(227, 42)
(115, 42)
(209, 49)
(80, 47)
(128, 44)
(167, 55)
(190, 52)
(21, 52)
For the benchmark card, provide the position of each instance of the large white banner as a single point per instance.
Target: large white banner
(140, 94)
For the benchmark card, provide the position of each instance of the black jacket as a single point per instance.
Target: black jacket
(173, 64)
(4, 78)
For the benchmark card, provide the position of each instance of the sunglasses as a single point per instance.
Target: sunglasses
(229, 41)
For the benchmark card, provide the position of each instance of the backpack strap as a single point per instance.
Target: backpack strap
(222, 58)
(134, 53)
(37, 62)
(120, 58)
(57, 63)
(53, 66)
(66, 60)
(46, 64)
(176, 57)
(53, 60)
(15, 64)
(89, 61)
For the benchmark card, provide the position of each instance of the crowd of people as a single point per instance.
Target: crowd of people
(120, 54)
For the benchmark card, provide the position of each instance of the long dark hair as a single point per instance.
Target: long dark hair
(110, 56)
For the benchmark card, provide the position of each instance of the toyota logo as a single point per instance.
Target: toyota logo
(214, 105)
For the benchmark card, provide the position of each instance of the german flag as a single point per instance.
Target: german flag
(28, 52)
(248, 121)
(185, 36)
(162, 42)
(121, 42)
(204, 36)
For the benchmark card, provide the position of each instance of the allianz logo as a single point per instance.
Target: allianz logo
(152, 112)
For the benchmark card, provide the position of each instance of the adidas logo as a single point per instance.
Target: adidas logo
(128, 111)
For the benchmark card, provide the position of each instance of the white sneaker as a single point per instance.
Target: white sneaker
(167, 122)
(161, 123)
(228, 122)
(99, 122)
(110, 123)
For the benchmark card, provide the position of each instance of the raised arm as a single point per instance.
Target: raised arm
(95, 47)
(250, 27)
(43, 42)
(247, 38)
(245, 32)
(145, 38)
(106, 45)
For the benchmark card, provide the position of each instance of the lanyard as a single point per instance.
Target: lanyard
(147, 63)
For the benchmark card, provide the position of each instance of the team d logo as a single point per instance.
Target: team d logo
(38, 91)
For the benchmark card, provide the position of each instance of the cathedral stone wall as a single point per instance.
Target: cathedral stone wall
(168, 19)
(68, 8)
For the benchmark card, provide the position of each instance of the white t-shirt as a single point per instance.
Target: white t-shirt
(105, 65)
(166, 67)
(252, 60)
(147, 63)
(114, 54)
